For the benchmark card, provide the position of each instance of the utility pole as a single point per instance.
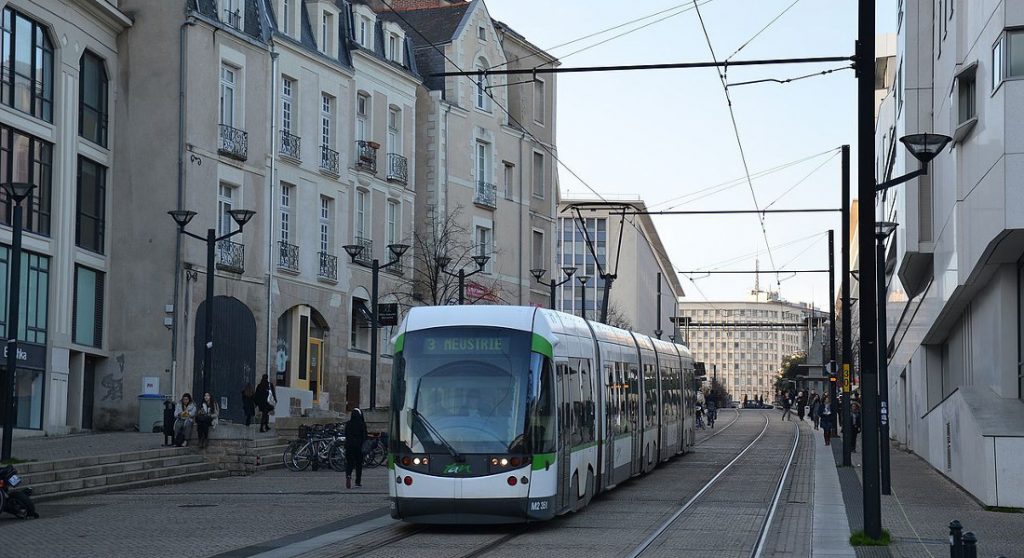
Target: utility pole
(657, 324)
(865, 67)
(844, 266)
(832, 317)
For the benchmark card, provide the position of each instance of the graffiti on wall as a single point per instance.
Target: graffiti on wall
(114, 383)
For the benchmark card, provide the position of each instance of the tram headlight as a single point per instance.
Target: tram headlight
(508, 461)
(415, 461)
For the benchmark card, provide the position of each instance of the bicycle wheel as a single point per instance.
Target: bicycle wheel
(289, 453)
(336, 456)
(378, 455)
(302, 457)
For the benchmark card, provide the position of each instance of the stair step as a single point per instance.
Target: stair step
(176, 479)
(93, 460)
(61, 486)
(111, 468)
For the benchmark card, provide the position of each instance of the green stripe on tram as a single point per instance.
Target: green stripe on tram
(542, 346)
(542, 461)
(399, 342)
(391, 461)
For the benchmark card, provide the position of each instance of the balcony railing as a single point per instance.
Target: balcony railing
(231, 256)
(233, 142)
(328, 267)
(398, 168)
(366, 256)
(288, 256)
(366, 155)
(233, 19)
(291, 146)
(397, 268)
(486, 194)
(329, 160)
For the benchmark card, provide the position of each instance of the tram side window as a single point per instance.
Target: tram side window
(634, 396)
(666, 395)
(650, 396)
(587, 405)
(564, 422)
(611, 404)
(577, 403)
(623, 389)
(542, 432)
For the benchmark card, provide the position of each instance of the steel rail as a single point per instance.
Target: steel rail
(763, 536)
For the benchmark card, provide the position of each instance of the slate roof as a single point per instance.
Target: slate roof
(426, 27)
(254, 22)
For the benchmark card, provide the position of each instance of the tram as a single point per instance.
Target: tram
(507, 414)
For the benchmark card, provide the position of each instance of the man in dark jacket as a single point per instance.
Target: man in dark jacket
(355, 437)
(266, 399)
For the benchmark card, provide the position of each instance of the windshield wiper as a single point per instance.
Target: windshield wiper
(437, 435)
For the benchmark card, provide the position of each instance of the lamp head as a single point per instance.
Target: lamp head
(538, 273)
(353, 250)
(398, 250)
(924, 147)
(569, 271)
(182, 217)
(583, 279)
(18, 190)
(481, 260)
(241, 216)
(443, 261)
(884, 228)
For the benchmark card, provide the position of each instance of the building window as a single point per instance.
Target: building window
(360, 325)
(538, 174)
(326, 28)
(483, 161)
(395, 48)
(482, 94)
(92, 195)
(365, 32)
(92, 99)
(286, 212)
(326, 120)
(225, 203)
(538, 101)
(394, 130)
(287, 90)
(362, 117)
(1014, 53)
(481, 33)
(35, 284)
(286, 16)
(510, 170)
(361, 216)
(87, 320)
(27, 66)
(227, 95)
(539, 262)
(966, 104)
(485, 244)
(24, 158)
(325, 224)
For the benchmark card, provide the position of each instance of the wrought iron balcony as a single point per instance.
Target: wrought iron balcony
(233, 19)
(288, 257)
(366, 155)
(398, 168)
(329, 160)
(233, 142)
(328, 267)
(486, 194)
(366, 256)
(291, 146)
(397, 268)
(230, 256)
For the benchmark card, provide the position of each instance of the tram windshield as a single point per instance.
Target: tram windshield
(464, 390)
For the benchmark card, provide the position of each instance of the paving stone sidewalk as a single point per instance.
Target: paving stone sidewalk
(48, 448)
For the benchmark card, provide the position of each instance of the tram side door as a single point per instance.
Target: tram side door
(564, 433)
(636, 423)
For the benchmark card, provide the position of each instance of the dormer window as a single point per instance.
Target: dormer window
(394, 48)
(365, 32)
(326, 33)
(286, 16)
(232, 13)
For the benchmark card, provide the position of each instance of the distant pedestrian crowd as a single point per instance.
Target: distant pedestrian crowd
(822, 411)
(180, 419)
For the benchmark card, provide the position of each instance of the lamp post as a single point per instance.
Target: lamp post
(353, 251)
(442, 263)
(583, 279)
(16, 193)
(182, 217)
(882, 231)
(539, 273)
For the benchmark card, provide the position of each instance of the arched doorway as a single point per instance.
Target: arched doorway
(234, 354)
(301, 351)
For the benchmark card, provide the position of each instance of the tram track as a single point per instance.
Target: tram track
(660, 535)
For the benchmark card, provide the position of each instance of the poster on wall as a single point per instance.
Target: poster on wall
(150, 385)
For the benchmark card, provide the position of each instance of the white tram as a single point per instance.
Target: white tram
(506, 414)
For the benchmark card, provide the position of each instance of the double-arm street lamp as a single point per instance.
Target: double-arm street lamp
(354, 251)
(552, 284)
(583, 279)
(183, 217)
(442, 263)
(16, 193)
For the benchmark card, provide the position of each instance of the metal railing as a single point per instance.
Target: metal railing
(233, 19)
(366, 256)
(398, 168)
(231, 256)
(397, 268)
(366, 155)
(288, 256)
(233, 142)
(328, 266)
(329, 160)
(486, 194)
(291, 145)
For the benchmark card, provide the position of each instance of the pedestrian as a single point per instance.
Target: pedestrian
(248, 403)
(206, 418)
(355, 437)
(712, 405)
(854, 421)
(826, 416)
(815, 410)
(700, 409)
(184, 414)
(801, 402)
(168, 422)
(266, 398)
(787, 407)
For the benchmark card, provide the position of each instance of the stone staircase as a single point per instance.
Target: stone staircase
(83, 476)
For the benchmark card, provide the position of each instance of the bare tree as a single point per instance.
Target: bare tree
(616, 318)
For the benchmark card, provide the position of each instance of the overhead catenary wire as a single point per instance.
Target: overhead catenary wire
(791, 80)
(763, 29)
(802, 180)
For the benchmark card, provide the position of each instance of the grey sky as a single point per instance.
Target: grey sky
(664, 134)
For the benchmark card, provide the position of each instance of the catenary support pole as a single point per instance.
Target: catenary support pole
(845, 371)
(374, 326)
(14, 304)
(211, 248)
(832, 318)
(883, 374)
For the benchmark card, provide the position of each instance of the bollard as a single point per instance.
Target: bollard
(970, 545)
(956, 546)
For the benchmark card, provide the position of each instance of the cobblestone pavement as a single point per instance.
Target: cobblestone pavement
(922, 504)
(48, 448)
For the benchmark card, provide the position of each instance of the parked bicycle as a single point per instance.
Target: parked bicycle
(375, 450)
(317, 445)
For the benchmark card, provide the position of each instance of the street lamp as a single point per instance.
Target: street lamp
(354, 251)
(182, 217)
(583, 279)
(442, 263)
(552, 284)
(924, 148)
(16, 193)
(883, 230)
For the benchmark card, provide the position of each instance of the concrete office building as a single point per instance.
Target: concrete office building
(953, 267)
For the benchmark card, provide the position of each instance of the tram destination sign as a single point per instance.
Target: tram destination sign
(463, 344)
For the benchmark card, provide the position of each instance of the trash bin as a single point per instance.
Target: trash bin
(151, 412)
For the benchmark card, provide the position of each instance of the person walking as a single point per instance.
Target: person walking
(266, 398)
(206, 418)
(854, 421)
(185, 416)
(815, 410)
(787, 407)
(168, 422)
(355, 437)
(248, 403)
(801, 403)
(712, 405)
(826, 417)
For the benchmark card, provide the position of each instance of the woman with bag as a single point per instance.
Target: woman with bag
(266, 398)
(184, 414)
(207, 416)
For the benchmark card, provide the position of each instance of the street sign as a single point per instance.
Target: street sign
(846, 378)
(387, 314)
